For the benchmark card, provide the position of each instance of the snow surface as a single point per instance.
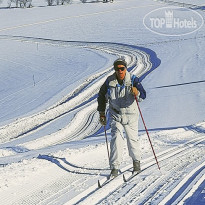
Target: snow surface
(53, 61)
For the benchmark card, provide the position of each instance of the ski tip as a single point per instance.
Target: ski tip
(99, 185)
(124, 179)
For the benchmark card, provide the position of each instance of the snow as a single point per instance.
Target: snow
(53, 61)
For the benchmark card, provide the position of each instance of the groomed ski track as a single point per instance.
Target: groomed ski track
(150, 186)
(145, 184)
(24, 142)
(82, 101)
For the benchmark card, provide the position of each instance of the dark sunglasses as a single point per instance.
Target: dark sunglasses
(122, 69)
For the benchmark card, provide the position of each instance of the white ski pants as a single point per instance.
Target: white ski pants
(117, 142)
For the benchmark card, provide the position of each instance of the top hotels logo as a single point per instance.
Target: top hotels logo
(173, 21)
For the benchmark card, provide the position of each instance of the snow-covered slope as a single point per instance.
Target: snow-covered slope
(52, 63)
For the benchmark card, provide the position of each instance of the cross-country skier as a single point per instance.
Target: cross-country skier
(119, 89)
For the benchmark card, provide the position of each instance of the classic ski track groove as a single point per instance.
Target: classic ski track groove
(181, 150)
(66, 181)
(154, 185)
(149, 186)
(186, 184)
(163, 182)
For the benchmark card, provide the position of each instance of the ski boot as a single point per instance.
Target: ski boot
(136, 167)
(114, 173)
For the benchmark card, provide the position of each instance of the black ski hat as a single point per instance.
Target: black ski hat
(120, 61)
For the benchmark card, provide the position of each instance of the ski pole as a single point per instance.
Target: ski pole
(107, 143)
(147, 132)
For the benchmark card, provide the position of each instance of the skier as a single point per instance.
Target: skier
(119, 89)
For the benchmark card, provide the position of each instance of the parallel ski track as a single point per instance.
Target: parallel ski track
(61, 188)
(138, 62)
(84, 129)
(112, 191)
(185, 186)
(161, 184)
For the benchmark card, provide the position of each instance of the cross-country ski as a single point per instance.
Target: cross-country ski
(108, 180)
(130, 177)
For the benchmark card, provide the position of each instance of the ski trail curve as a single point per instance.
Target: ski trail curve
(82, 99)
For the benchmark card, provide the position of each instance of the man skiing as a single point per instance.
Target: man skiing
(119, 89)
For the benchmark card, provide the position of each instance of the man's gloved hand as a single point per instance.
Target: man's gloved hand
(134, 91)
(103, 120)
